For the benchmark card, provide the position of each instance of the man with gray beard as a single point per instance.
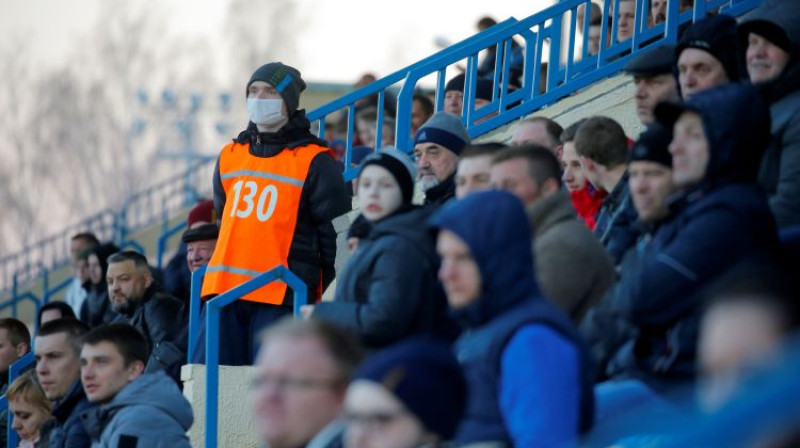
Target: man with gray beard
(437, 146)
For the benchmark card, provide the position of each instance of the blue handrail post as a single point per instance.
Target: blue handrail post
(213, 309)
(194, 308)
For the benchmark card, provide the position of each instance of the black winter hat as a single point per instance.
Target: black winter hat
(399, 165)
(658, 61)
(285, 79)
(202, 233)
(653, 146)
(717, 36)
(425, 376)
(483, 87)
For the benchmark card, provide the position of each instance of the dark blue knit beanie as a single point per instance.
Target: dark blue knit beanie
(425, 376)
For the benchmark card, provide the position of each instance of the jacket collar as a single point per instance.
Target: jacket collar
(549, 211)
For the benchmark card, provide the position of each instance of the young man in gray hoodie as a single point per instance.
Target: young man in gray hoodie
(135, 409)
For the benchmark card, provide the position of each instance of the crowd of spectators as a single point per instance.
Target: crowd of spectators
(548, 292)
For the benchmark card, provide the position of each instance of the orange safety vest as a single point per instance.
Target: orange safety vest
(259, 219)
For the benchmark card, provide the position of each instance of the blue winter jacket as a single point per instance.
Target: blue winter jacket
(713, 226)
(529, 377)
(388, 289)
(66, 429)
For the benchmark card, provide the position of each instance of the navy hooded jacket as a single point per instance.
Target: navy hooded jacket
(528, 375)
(714, 225)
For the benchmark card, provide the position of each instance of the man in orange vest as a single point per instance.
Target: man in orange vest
(277, 188)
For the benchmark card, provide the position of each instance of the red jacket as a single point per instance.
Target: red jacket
(587, 202)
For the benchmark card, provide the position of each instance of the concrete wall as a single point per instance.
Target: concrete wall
(612, 97)
(236, 427)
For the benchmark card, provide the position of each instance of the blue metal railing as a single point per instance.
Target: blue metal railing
(213, 309)
(194, 308)
(141, 209)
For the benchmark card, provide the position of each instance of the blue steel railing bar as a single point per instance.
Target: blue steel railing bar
(213, 308)
(13, 373)
(194, 309)
(378, 87)
(562, 79)
(164, 238)
(109, 225)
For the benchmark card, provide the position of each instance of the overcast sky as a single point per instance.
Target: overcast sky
(343, 39)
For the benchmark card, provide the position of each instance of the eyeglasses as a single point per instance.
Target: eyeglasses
(291, 383)
(374, 420)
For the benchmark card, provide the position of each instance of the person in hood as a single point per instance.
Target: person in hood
(529, 378)
(135, 409)
(437, 147)
(771, 43)
(718, 218)
(388, 290)
(277, 189)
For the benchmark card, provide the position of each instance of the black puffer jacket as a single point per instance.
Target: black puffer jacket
(388, 290)
(780, 167)
(324, 198)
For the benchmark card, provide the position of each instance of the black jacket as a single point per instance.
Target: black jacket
(324, 197)
(388, 290)
(441, 193)
(162, 321)
(616, 221)
(66, 429)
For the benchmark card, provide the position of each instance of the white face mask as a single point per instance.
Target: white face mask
(266, 113)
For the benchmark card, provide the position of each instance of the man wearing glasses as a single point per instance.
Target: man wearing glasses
(303, 371)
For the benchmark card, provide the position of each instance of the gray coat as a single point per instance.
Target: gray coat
(149, 412)
(573, 268)
(388, 289)
(780, 166)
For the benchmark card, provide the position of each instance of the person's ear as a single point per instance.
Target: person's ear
(135, 370)
(22, 349)
(550, 186)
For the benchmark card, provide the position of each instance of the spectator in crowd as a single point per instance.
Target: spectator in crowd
(539, 131)
(388, 290)
(487, 272)
(57, 351)
(658, 11)
(200, 237)
(653, 80)
(474, 168)
(585, 197)
(178, 272)
(75, 294)
(15, 342)
(572, 267)
(595, 15)
(358, 230)
(135, 408)
(605, 327)
(603, 149)
(52, 311)
(487, 65)
(412, 394)
(772, 37)
(277, 190)
(158, 316)
(626, 19)
(721, 219)
(708, 55)
(437, 146)
(595, 34)
(303, 370)
(31, 410)
(96, 308)
(366, 124)
(421, 111)
(748, 322)
(389, 101)
(454, 95)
